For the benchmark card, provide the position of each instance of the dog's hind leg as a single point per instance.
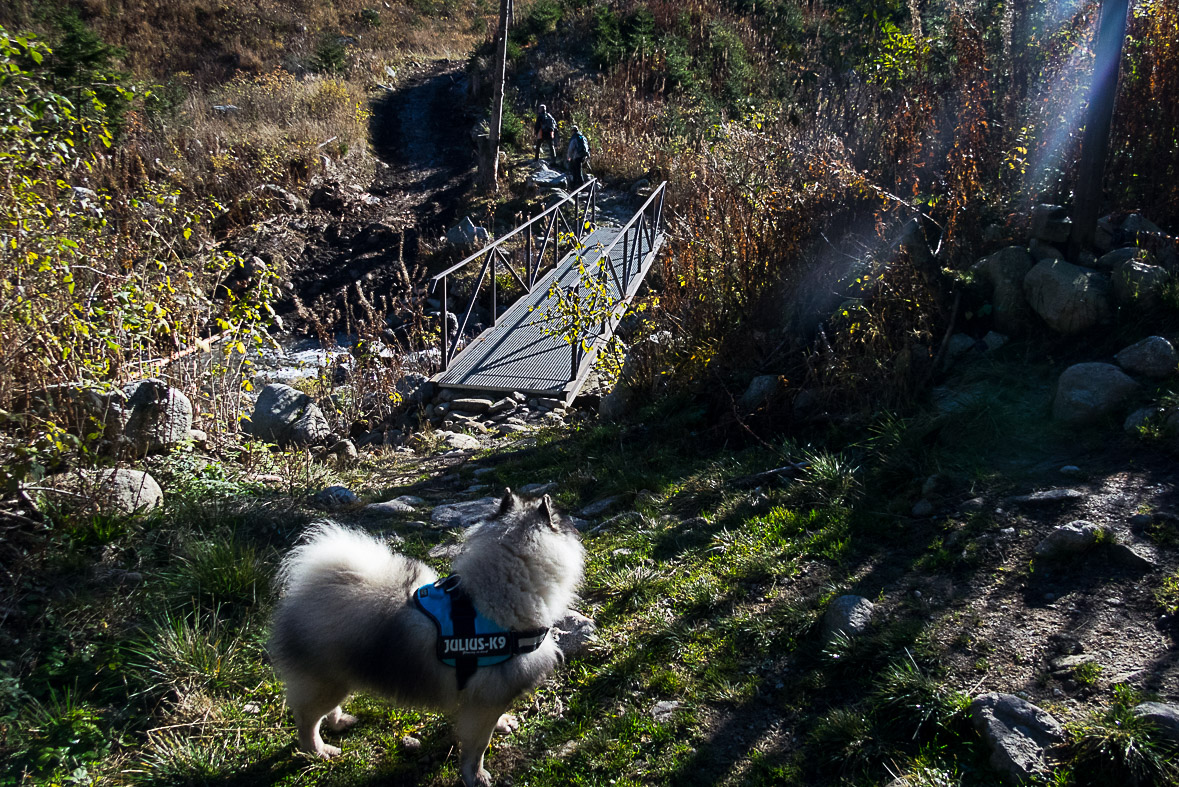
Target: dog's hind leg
(312, 701)
(337, 720)
(474, 726)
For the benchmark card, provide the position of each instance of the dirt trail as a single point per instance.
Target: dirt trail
(360, 237)
(422, 133)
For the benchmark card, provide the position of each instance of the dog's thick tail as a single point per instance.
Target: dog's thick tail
(330, 552)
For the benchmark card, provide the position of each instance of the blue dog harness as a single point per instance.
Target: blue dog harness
(466, 639)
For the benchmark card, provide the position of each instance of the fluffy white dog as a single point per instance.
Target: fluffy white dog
(354, 614)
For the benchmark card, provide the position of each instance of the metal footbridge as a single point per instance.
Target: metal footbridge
(546, 342)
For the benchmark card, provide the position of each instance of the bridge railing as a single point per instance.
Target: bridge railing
(543, 234)
(637, 238)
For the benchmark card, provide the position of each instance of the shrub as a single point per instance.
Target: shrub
(1117, 747)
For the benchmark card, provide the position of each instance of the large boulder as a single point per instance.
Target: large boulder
(1017, 733)
(1005, 271)
(1051, 223)
(1069, 298)
(285, 416)
(109, 490)
(465, 234)
(1139, 284)
(760, 390)
(466, 513)
(158, 416)
(547, 178)
(1070, 539)
(1087, 392)
(1154, 356)
(1164, 716)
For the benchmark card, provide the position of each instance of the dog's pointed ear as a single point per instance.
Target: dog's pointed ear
(549, 513)
(509, 502)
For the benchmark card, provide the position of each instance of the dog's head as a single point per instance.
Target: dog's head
(523, 514)
(527, 548)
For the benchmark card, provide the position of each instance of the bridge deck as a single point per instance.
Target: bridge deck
(517, 355)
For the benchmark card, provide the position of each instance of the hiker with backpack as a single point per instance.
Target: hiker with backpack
(577, 155)
(545, 131)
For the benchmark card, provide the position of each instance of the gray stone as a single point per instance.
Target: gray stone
(546, 178)
(1070, 539)
(335, 497)
(1069, 298)
(504, 405)
(847, 615)
(1103, 238)
(1140, 419)
(616, 404)
(311, 428)
(1111, 261)
(114, 491)
(126, 491)
(345, 452)
(599, 507)
(1087, 392)
(472, 404)
(973, 505)
(1132, 557)
(1163, 716)
(1041, 250)
(994, 340)
(536, 490)
(1016, 731)
(465, 234)
(447, 552)
(664, 711)
(158, 416)
(1051, 223)
(1048, 497)
(466, 513)
(1005, 271)
(457, 441)
(410, 500)
(1154, 356)
(937, 486)
(573, 633)
(1136, 222)
(199, 437)
(759, 391)
(638, 185)
(959, 345)
(285, 416)
(1140, 284)
(922, 509)
(389, 508)
(1070, 663)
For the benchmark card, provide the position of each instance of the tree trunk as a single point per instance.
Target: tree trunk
(489, 152)
(1111, 34)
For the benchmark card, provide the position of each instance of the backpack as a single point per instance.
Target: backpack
(581, 148)
(547, 123)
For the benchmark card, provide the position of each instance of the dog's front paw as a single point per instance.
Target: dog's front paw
(327, 752)
(507, 723)
(480, 779)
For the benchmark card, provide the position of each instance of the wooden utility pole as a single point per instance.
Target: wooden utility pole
(489, 155)
(1111, 34)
